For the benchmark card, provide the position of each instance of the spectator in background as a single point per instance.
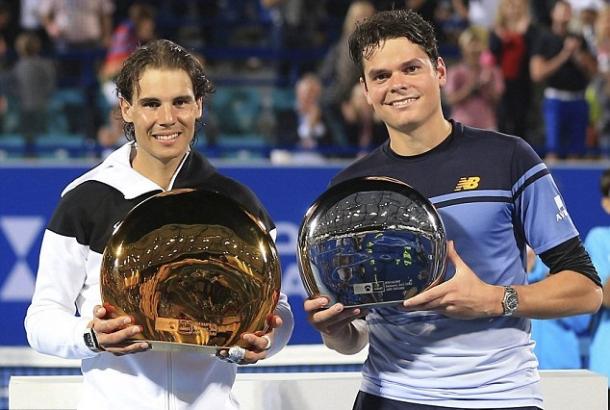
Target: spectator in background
(296, 27)
(79, 30)
(33, 83)
(597, 243)
(563, 62)
(586, 12)
(428, 10)
(305, 127)
(365, 129)
(339, 74)
(599, 91)
(77, 25)
(29, 20)
(311, 129)
(110, 135)
(474, 86)
(6, 61)
(9, 25)
(558, 344)
(541, 12)
(511, 42)
(138, 29)
(477, 12)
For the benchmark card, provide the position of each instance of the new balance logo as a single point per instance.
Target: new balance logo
(563, 212)
(467, 183)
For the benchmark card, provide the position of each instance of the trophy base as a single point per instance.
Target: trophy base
(373, 304)
(181, 347)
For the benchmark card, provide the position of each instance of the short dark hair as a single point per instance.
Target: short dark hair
(604, 183)
(159, 54)
(391, 24)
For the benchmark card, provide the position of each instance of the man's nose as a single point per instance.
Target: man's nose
(166, 114)
(398, 82)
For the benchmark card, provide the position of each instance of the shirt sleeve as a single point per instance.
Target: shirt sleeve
(596, 244)
(541, 212)
(50, 323)
(282, 334)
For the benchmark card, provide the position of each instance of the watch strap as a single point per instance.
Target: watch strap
(90, 338)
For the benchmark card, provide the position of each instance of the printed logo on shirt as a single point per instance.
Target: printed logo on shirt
(563, 212)
(467, 183)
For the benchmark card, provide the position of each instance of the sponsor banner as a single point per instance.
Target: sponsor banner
(28, 196)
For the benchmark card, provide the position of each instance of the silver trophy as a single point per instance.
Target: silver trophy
(371, 241)
(195, 269)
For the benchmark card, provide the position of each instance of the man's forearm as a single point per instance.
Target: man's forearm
(350, 341)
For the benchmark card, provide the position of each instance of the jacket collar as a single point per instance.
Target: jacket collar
(116, 171)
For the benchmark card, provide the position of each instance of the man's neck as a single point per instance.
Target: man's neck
(421, 139)
(158, 172)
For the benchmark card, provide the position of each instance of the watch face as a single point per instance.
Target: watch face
(511, 301)
(90, 340)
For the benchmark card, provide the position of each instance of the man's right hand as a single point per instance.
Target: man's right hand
(337, 325)
(331, 321)
(113, 332)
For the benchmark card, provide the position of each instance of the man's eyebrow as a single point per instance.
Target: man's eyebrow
(376, 71)
(145, 100)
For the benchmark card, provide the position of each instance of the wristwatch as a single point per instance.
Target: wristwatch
(91, 340)
(510, 301)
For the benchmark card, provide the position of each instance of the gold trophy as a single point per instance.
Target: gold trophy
(195, 269)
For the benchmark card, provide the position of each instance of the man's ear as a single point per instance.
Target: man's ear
(365, 90)
(200, 107)
(126, 109)
(441, 71)
(606, 204)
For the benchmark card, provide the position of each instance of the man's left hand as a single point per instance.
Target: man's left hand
(256, 345)
(464, 296)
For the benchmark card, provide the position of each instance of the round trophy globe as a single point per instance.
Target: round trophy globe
(194, 268)
(371, 241)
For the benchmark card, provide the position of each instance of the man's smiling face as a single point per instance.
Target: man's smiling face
(402, 85)
(164, 112)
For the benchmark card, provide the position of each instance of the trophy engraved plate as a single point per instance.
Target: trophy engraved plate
(371, 241)
(194, 269)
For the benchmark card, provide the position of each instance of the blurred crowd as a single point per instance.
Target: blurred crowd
(286, 88)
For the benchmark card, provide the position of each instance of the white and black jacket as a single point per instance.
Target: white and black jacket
(67, 289)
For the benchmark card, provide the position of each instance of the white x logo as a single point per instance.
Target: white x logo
(20, 232)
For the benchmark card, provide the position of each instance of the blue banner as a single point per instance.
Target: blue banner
(28, 196)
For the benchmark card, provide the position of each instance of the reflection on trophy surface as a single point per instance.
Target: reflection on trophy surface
(192, 267)
(371, 241)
